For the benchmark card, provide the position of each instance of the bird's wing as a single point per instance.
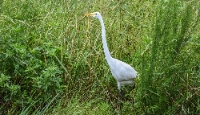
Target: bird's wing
(122, 71)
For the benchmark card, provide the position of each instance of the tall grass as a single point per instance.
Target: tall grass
(170, 80)
(52, 60)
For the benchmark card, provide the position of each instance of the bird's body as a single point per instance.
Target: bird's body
(124, 74)
(121, 71)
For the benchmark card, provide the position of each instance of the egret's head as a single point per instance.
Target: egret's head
(94, 14)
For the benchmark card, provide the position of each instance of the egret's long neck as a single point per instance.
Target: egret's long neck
(105, 47)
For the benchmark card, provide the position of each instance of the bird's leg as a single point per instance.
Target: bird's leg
(120, 97)
(120, 101)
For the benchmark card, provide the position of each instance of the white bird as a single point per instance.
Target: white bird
(121, 71)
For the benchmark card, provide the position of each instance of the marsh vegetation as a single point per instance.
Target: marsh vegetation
(52, 60)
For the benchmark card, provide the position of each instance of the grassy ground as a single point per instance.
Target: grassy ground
(52, 61)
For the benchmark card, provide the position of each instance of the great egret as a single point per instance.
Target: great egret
(121, 71)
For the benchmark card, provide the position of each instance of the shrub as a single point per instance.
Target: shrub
(30, 73)
(170, 77)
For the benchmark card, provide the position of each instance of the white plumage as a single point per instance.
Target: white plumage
(122, 72)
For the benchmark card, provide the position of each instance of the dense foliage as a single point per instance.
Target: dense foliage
(170, 81)
(29, 71)
(51, 57)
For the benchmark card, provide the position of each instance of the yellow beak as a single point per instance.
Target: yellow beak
(90, 14)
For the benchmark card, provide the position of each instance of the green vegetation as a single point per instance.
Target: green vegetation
(52, 61)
